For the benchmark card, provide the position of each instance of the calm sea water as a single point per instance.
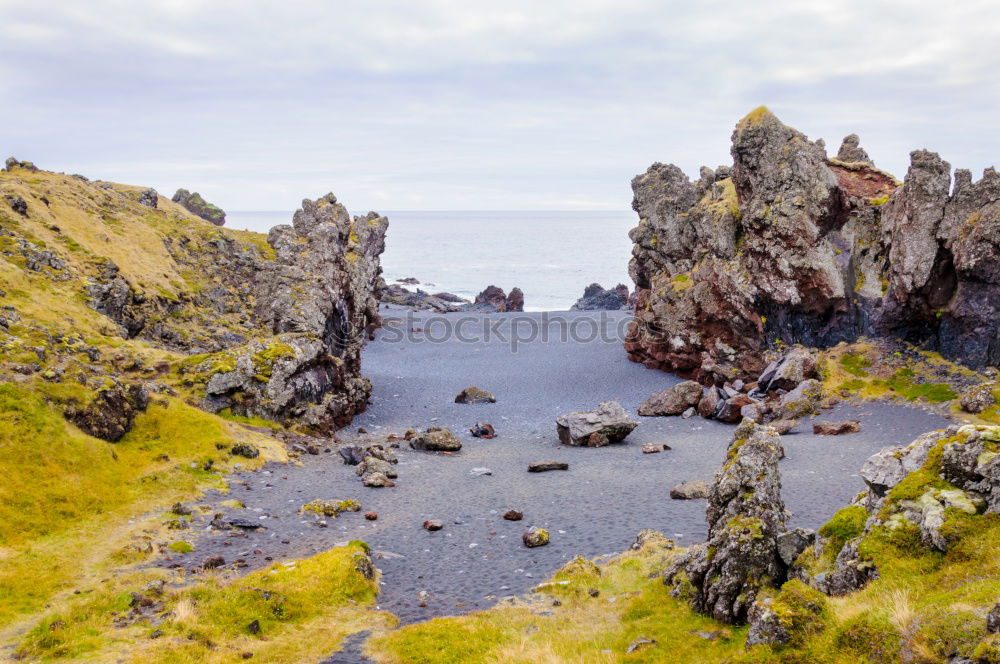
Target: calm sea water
(551, 256)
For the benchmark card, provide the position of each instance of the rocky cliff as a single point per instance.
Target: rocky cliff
(269, 327)
(790, 244)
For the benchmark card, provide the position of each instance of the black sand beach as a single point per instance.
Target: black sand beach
(596, 507)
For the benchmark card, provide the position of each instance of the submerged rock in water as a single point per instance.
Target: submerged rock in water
(596, 298)
(609, 423)
(745, 517)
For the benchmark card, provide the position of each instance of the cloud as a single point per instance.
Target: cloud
(449, 105)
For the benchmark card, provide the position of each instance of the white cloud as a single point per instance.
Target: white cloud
(447, 104)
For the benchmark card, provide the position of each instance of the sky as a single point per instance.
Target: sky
(468, 105)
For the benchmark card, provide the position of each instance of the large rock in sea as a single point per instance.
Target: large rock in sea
(609, 423)
(493, 299)
(320, 297)
(794, 245)
(198, 206)
(597, 298)
(746, 518)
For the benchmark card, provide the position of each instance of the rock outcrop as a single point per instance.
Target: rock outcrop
(110, 414)
(792, 245)
(197, 205)
(320, 298)
(494, 299)
(746, 517)
(597, 298)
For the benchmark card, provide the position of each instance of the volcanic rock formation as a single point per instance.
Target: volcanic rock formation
(789, 244)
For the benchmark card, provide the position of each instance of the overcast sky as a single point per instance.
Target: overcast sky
(540, 104)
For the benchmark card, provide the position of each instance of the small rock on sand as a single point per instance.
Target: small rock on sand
(836, 428)
(433, 524)
(782, 426)
(653, 448)
(480, 471)
(543, 466)
(473, 394)
(377, 480)
(436, 439)
(513, 515)
(535, 537)
(371, 516)
(213, 562)
(483, 430)
(690, 490)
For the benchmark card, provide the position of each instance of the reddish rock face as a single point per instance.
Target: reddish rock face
(789, 244)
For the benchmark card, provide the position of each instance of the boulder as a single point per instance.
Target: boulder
(795, 366)
(793, 543)
(535, 537)
(979, 398)
(246, 450)
(482, 430)
(515, 300)
(709, 402)
(782, 426)
(851, 150)
(473, 394)
(596, 298)
(746, 516)
(672, 401)
(885, 469)
(436, 439)
(609, 423)
(693, 490)
(825, 428)
(802, 401)
(199, 207)
(490, 299)
(149, 198)
(110, 414)
(731, 410)
(17, 204)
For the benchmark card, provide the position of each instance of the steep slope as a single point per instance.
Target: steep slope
(790, 245)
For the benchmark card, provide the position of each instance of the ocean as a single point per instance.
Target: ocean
(551, 256)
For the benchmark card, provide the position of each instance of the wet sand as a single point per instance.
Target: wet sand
(596, 507)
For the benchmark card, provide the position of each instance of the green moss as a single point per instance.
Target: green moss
(801, 610)
(331, 508)
(181, 546)
(872, 637)
(904, 382)
(881, 200)
(855, 364)
(845, 525)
